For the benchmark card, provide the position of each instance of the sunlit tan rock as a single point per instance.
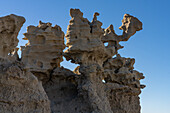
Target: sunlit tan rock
(104, 82)
(43, 52)
(21, 92)
(9, 28)
(99, 73)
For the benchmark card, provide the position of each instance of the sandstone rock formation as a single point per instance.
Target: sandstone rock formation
(86, 47)
(43, 52)
(63, 93)
(21, 92)
(123, 84)
(104, 82)
(85, 37)
(9, 27)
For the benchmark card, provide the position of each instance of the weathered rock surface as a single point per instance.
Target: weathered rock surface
(87, 49)
(43, 52)
(84, 37)
(21, 92)
(85, 42)
(62, 90)
(9, 28)
(37, 83)
(122, 84)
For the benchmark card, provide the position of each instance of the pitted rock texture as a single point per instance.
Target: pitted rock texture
(43, 52)
(36, 83)
(21, 92)
(86, 48)
(85, 42)
(9, 27)
(84, 36)
(129, 26)
(123, 84)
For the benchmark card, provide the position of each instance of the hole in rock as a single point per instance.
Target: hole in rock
(114, 56)
(103, 81)
(106, 43)
(68, 64)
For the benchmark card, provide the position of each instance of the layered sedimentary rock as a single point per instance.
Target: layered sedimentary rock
(129, 26)
(9, 27)
(43, 52)
(84, 36)
(21, 92)
(85, 42)
(123, 84)
(87, 49)
(104, 82)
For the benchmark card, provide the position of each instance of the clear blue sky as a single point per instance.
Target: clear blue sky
(150, 47)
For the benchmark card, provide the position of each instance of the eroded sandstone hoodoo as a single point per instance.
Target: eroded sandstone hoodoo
(21, 92)
(85, 42)
(43, 52)
(9, 28)
(104, 82)
(123, 84)
(87, 49)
